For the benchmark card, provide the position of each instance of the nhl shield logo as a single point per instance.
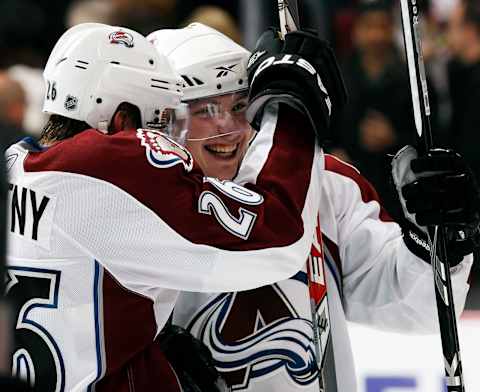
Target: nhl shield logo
(121, 38)
(163, 152)
(71, 102)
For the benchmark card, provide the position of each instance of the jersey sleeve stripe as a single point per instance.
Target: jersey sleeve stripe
(98, 319)
(367, 191)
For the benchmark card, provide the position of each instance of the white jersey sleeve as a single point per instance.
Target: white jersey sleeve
(135, 203)
(384, 284)
(103, 230)
(262, 339)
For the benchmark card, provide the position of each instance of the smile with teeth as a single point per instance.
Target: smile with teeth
(222, 149)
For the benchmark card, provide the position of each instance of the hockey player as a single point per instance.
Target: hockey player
(108, 222)
(214, 75)
(262, 340)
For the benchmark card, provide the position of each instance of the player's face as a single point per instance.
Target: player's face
(218, 134)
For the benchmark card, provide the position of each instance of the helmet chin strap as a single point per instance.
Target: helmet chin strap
(214, 136)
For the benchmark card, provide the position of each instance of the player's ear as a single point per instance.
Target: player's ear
(122, 121)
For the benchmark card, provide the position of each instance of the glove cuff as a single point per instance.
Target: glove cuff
(416, 241)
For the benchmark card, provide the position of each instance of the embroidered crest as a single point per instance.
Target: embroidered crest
(163, 152)
(244, 360)
(121, 38)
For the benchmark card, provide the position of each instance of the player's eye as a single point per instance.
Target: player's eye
(200, 112)
(208, 110)
(239, 107)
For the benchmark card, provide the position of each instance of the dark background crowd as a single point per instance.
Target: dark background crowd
(366, 35)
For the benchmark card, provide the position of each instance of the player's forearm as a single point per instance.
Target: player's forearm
(397, 293)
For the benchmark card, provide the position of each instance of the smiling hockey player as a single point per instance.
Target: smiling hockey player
(262, 340)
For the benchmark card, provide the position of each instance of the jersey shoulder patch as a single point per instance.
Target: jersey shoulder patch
(163, 152)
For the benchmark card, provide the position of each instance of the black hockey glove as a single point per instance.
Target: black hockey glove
(438, 188)
(301, 71)
(191, 360)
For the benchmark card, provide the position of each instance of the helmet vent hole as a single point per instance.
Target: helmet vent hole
(99, 100)
(81, 64)
(114, 62)
(219, 86)
(240, 81)
(162, 87)
(187, 79)
(61, 60)
(151, 62)
(157, 83)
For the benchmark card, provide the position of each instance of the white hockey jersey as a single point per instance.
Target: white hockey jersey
(104, 229)
(262, 339)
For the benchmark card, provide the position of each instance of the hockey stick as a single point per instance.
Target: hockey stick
(322, 334)
(438, 252)
(288, 13)
(289, 16)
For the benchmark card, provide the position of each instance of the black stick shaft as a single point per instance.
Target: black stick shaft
(439, 254)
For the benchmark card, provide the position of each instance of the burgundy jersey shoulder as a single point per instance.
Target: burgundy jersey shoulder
(160, 175)
(367, 191)
(141, 163)
(111, 157)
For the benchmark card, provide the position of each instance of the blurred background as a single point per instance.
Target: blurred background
(366, 35)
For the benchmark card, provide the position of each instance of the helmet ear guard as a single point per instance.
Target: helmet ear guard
(94, 68)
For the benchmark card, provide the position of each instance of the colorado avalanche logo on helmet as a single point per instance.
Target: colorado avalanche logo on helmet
(121, 38)
(163, 152)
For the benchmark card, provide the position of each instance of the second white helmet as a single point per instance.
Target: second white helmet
(94, 68)
(209, 62)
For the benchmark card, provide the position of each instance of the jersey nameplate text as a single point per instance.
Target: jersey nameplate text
(30, 214)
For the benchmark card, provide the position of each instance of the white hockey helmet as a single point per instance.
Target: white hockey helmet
(94, 68)
(209, 62)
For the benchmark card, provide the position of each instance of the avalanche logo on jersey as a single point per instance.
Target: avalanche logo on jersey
(282, 345)
(163, 152)
(121, 38)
